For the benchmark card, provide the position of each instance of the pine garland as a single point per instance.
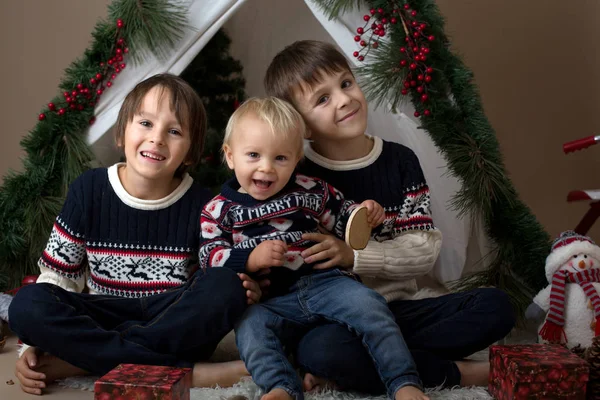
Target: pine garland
(452, 113)
(56, 151)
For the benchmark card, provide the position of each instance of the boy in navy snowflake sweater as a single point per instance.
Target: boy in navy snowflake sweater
(257, 223)
(128, 235)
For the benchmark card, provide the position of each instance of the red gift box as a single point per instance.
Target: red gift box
(144, 382)
(536, 371)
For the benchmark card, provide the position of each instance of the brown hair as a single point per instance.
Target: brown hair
(281, 116)
(302, 62)
(184, 101)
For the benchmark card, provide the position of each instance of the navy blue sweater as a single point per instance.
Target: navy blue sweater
(234, 224)
(133, 247)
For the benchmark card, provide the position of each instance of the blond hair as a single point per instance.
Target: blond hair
(281, 116)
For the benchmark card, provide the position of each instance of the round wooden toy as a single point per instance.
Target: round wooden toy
(358, 230)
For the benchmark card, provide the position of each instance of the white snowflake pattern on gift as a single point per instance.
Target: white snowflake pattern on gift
(327, 220)
(220, 257)
(293, 260)
(210, 230)
(305, 181)
(281, 224)
(214, 208)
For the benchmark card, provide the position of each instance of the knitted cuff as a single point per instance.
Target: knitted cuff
(369, 260)
(238, 259)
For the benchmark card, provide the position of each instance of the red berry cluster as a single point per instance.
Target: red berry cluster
(375, 27)
(88, 94)
(415, 52)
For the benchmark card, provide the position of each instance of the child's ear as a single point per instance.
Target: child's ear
(228, 155)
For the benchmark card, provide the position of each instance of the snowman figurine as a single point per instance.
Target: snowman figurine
(572, 300)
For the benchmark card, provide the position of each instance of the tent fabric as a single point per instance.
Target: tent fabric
(261, 28)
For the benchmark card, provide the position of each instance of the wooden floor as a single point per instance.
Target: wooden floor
(8, 356)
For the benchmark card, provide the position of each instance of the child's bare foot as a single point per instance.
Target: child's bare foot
(312, 383)
(54, 368)
(473, 373)
(410, 393)
(277, 394)
(224, 374)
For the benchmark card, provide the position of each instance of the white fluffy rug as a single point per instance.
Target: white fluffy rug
(248, 389)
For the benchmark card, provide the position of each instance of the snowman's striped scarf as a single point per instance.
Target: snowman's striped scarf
(553, 330)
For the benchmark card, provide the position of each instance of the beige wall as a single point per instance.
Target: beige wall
(535, 62)
(39, 39)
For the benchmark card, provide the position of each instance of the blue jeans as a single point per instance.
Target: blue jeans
(438, 331)
(327, 296)
(98, 332)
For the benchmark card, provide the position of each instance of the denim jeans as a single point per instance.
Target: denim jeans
(438, 331)
(98, 332)
(327, 296)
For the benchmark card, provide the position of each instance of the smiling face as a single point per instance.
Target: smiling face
(155, 143)
(580, 262)
(335, 109)
(263, 161)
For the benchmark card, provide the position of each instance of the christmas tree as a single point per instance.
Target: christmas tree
(217, 77)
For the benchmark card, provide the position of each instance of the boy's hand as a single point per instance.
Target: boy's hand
(32, 382)
(269, 253)
(376, 214)
(330, 248)
(253, 291)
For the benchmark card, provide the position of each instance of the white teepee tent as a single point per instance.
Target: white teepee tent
(261, 28)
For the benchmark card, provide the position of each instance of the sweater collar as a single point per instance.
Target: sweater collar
(141, 204)
(231, 187)
(347, 165)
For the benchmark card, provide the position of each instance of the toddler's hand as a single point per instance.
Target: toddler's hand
(269, 253)
(376, 214)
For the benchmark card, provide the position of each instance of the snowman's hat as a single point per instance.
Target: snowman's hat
(567, 245)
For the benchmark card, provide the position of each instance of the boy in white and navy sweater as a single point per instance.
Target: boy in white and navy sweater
(257, 223)
(129, 235)
(316, 78)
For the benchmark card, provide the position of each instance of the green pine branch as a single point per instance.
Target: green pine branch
(458, 126)
(333, 8)
(153, 26)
